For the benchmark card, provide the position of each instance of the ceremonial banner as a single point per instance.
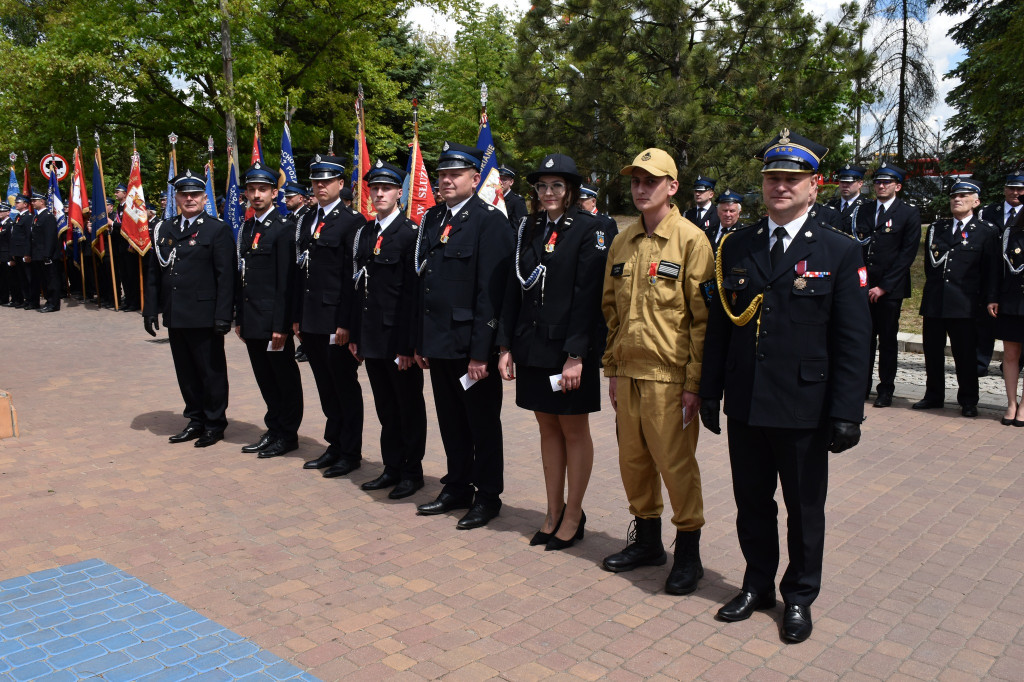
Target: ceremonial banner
(233, 211)
(79, 199)
(489, 188)
(12, 187)
(211, 202)
(171, 209)
(56, 204)
(360, 190)
(418, 195)
(135, 220)
(287, 171)
(100, 221)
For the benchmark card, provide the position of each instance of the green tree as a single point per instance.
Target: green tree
(709, 82)
(987, 128)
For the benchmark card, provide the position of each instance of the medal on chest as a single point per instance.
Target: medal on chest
(192, 239)
(444, 235)
(652, 273)
(550, 246)
(376, 248)
(963, 234)
(316, 233)
(256, 240)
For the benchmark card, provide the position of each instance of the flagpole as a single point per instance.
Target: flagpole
(360, 132)
(142, 292)
(81, 256)
(110, 245)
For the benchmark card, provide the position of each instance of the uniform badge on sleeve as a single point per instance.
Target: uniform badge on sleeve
(600, 245)
(863, 274)
(707, 289)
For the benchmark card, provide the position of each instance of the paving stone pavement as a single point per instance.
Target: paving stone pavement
(923, 566)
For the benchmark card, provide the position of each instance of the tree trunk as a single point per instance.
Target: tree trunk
(903, 95)
(229, 80)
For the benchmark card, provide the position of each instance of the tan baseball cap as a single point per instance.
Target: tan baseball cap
(655, 161)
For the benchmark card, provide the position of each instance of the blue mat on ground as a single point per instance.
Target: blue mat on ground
(92, 620)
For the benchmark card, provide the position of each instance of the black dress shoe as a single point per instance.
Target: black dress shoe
(323, 461)
(385, 480)
(277, 448)
(743, 605)
(796, 623)
(477, 516)
(1006, 422)
(926, 404)
(405, 488)
(557, 543)
(301, 357)
(883, 400)
(969, 410)
(190, 433)
(209, 438)
(342, 468)
(263, 442)
(47, 309)
(542, 538)
(1018, 422)
(445, 502)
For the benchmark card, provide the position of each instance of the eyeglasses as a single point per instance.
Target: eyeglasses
(554, 187)
(883, 181)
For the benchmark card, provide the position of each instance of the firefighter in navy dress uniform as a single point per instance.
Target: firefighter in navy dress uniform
(382, 333)
(266, 273)
(889, 229)
(961, 271)
(323, 297)
(588, 204)
(787, 342)
(463, 252)
(849, 200)
(192, 285)
(514, 204)
(1002, 214)
(8, 277)
(550, 326)
(703, 213)
(730, 206)
(21, 252)
(47, 254)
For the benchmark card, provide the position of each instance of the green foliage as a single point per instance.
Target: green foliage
(987, 128)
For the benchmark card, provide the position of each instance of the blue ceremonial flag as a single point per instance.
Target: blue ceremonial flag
(211, 203)
(171, 209)
(98, 203)
(355, 166)
(12, 187)
(54, 201)
(234, 213)
(403, 203)
(287, 171)
(489, 188)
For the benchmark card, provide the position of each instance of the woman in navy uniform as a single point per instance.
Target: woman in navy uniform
(191, 284)
(550, 325)
(382, 333)
(266, 271)
(322, 301)
(1009, 313)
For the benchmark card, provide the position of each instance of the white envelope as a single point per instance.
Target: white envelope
(556, 382)
(466, 381)
(270, 347)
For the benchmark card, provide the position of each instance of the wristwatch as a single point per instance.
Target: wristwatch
(574, 357)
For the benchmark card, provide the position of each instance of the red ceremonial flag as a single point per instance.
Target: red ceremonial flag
(361, 191)
(79, 201)
(257, 155)
(135, 220)
(421, 195)
(27, 188)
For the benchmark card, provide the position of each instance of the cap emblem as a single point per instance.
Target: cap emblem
(188, 174)
(316, 158)
(550, 163)
(784, 139)
(446, 147)
(380, 164)
(257, 166)
(646, 156)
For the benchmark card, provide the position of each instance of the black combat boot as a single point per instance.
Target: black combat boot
(645, 548)
(686, 567)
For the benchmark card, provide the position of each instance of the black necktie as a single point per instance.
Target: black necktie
(700, 214)
(1011, 218)
(881, 214)
(779, 248)
(957, 229)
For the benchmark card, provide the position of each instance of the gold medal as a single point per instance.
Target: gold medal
(799, 283)
(549, 248)
(1017, 250)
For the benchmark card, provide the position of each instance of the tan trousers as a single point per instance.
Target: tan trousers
(649, 420)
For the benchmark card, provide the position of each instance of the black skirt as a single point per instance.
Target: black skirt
(533, 391)
(1010, 328)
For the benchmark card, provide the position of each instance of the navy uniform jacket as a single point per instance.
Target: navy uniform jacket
(197, 289)
(21, 236)
(827, 216)
(45, 244)
(994, 213)
(960, 278)
(263, 293)
(323, 292)
(709, 224)
(516, 207)
(807, 362)
(893, 246)
(544, 327)
(1011, 286)
(6, 227)
(462, 282)
(836, 202)
(385, 309)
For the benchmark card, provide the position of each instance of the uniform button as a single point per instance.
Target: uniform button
(535, 303)
(764, 333)
(760, 356)
(535, 323)
(768, 287)
(821, 375)
(768, 309)
(427, 310)
(428, 290)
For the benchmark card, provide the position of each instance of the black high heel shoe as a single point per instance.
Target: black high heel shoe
(559, 543)
(542, 538)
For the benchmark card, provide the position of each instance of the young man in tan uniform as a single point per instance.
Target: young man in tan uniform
(659, 271)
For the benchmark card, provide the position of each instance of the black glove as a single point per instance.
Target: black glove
(844, 435)
(151, 324)
(709, 410)
(222, 327)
